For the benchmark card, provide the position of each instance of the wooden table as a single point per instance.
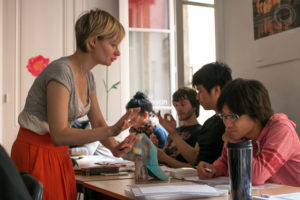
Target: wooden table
(80, 179)
(116, 190)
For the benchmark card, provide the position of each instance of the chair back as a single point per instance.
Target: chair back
(34, 186)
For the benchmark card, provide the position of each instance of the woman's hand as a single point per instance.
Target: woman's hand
(125, 146)
(206, 170)
(168, 122)
(125, 122)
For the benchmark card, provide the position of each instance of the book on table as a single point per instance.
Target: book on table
(101, 169)
(95, 165)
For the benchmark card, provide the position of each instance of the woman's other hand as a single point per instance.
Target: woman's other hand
(206, 170)
(125, 146)
(125, 122)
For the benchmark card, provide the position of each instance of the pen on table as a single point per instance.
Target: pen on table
(261, 198)
(212, 171)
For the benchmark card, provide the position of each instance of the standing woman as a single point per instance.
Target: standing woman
(65, 91)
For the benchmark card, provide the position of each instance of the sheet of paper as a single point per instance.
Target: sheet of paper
(167, 169)
(95, 160)
(288, 196)
(221, 180)
(179, 188)
(182, 190)
(265, 186)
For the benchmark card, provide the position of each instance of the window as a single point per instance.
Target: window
(195, 41)
(150, 53)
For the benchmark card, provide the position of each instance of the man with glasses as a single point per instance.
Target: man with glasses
(229, 118)
(246, 111)
(209, 81)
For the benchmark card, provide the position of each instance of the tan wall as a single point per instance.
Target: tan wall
(274, 60)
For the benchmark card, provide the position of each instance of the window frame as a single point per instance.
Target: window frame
(219, 31)
(172, 51)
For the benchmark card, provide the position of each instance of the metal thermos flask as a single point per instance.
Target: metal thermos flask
(240, 169)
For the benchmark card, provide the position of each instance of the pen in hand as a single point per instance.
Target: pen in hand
(212, 171)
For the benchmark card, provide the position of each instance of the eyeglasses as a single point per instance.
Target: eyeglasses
(228, 118)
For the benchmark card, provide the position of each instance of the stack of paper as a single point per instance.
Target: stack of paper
(97, 170)
(182, 190)
(96, 165)
(95, 160)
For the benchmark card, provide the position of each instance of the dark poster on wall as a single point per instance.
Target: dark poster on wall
(275, 16)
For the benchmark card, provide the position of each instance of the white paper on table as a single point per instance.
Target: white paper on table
(95, 160)
(221, 180)
(266, 186)
(179, 188)
(288, 196)
(167, 169)
(172, 190)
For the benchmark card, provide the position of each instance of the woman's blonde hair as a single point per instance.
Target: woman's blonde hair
(97, 23)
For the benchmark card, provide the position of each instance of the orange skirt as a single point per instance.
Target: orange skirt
(50, 164)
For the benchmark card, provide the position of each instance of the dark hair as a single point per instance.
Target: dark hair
(189, 94)
(248, 97)
(212, 74)
(141, 100)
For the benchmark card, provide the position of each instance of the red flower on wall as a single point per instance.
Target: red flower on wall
(37, 64)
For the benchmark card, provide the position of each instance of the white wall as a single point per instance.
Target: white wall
(30, 28)
(114, 106)
(246, 55)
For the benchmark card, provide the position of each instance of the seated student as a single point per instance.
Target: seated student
(93, 148)
(146, 122)
(187, 108)
(245, 108)
(86, 149)
(209, 81)
(12, 185)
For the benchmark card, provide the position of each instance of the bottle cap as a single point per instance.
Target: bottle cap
(238, 145)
